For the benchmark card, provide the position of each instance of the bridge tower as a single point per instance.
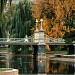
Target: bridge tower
(36, 33)
(39, 37)
(39, 50)
(41, 44)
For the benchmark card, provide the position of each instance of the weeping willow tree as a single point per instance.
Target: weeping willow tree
(21, 24)
(2, 17)
(2, 5)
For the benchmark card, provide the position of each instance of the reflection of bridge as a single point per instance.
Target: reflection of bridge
(30, 41)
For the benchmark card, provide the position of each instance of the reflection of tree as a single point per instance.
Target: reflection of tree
(56, 67)
(47, 66)
(22, 63)
(71, 69)
(2, 63)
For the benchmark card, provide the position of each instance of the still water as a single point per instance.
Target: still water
(30, 65)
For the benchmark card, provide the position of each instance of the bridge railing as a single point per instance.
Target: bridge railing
(10, 39)
(54, 40)
(29, 39)
(3, 39)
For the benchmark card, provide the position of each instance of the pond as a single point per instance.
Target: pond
(29, 65)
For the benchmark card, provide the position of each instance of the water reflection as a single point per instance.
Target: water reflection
(41, 66)
(55, 67)
(23, 63)
(35, 66)
(30, 65)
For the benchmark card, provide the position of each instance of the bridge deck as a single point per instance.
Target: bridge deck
(18, 43)
(56, 43)
(32, 43)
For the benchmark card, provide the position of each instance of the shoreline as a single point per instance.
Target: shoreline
(61, 59)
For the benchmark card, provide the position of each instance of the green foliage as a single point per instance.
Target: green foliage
(47, 10)
(2, 5)
(5, 18)
(70, 20)
(20, 63)
(22, 20)
(21, 24)
(73, 14)
(69, 36)
(5, 25)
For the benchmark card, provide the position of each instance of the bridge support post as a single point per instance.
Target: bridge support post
(71, 49)
(74, 48)
(41, 58)
(35, 63)
(41, 51)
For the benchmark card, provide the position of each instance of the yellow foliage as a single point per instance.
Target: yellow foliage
(61, 9)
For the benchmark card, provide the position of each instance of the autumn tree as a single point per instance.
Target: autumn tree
(56, 15)
(43, 9)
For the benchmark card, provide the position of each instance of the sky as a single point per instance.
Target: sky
(17, 1)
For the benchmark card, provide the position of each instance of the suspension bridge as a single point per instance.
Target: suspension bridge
(30, 41)
(39, 38)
